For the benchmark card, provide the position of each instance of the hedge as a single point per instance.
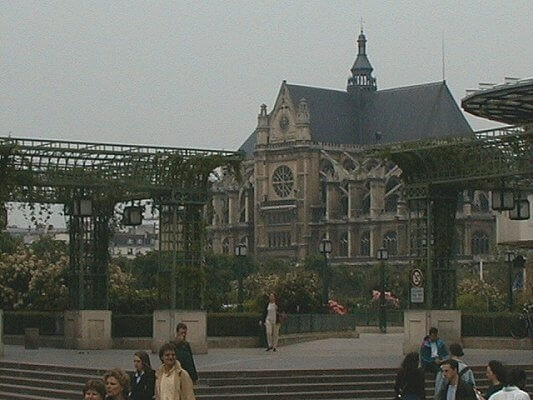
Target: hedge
(49, 323)
(233, 324)
(493, 324)
(132, 325)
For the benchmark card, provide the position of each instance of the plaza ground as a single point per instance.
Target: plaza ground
(370, 350)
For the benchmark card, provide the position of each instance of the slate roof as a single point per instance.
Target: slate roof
(400, 114)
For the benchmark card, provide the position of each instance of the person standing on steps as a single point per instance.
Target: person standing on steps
(410, 379)
(143, 379)
(117, 384)
(465, 373)
(172, 381)
(456, 388)
(184, 352)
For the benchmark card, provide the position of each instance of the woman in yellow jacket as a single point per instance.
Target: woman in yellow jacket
(172, 381)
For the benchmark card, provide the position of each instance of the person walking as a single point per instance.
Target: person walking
(409, 384)
(465, 372)
(516, 379)
(184, 352)
(117, 384)
(433, 351)
(172, 381)
(455, 388)
(272, 322)
(143, 380)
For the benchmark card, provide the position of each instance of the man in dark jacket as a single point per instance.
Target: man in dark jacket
(456, 389)
(184, 352)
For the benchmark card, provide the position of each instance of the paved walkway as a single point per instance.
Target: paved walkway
(369, 350)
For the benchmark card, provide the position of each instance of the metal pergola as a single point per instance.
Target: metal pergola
(89, 179)
(435, 172)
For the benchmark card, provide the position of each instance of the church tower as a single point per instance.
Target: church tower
(361, 78)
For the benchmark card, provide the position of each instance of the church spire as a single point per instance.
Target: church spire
(362, 69)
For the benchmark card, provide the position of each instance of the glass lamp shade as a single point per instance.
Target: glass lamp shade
(240, 250)
(325, 246)
(132, 216)
(82, 208)
(509, 256)
(502, 199)
(383, 254)
(520, 210)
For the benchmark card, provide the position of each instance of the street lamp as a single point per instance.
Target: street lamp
(240, 253)
(382, 256)
(509, 258)
(325, 249)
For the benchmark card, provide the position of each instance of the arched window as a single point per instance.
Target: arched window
(225, 246)
(344, 206)
(365, 244)
(365, 206)
(390, 242)
(391, 202)
(480, 243)
(225, 211)
(242, 205)
(343, 245)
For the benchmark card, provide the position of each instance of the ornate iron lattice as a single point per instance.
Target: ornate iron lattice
(55, 171)
(283, 181)
(434, 172)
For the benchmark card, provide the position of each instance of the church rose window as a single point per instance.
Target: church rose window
(283, 181)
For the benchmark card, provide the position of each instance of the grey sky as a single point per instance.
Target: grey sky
(193, 73)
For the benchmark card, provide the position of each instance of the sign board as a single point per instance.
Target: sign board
(417, 278)
(417, 295)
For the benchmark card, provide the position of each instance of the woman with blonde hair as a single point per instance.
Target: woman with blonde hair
(117, 384)
(172, 381)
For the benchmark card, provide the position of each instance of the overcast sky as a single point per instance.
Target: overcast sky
(194, 73)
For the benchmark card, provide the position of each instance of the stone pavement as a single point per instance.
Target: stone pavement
(369, 350)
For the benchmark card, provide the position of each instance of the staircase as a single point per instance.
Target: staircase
(45, 382)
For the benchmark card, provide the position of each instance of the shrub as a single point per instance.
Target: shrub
(471, 303)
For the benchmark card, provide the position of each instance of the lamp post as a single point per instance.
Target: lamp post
(240, 253)
(509, 257)
(325, 249)
(382, 256)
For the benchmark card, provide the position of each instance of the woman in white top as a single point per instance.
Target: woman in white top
(271, 322)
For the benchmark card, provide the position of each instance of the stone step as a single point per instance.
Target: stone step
(40, 391)
(386, 386)
(52, 368)
(47, 376)
(48, 384)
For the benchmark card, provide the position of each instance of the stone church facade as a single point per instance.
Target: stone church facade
(306, 176)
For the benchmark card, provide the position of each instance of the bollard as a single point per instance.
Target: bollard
(31, 338)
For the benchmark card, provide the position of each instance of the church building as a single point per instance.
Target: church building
(306, 176)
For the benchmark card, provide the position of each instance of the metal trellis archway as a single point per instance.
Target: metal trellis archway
(435, 171)
(90, 178)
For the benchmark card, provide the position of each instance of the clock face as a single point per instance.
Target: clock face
(284, 123)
